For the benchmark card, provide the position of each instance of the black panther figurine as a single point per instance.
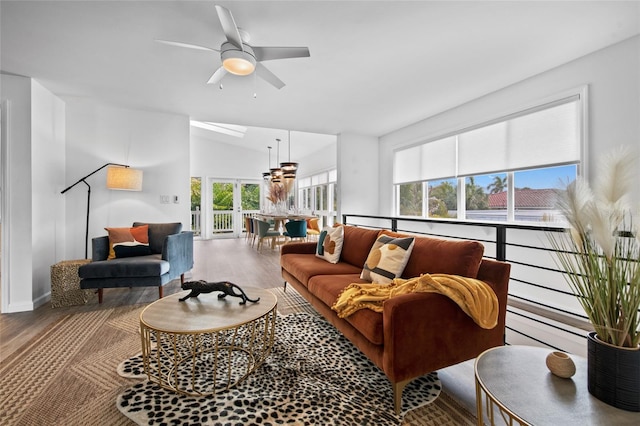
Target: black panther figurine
(225, 287)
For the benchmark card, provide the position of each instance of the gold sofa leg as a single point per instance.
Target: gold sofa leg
(398, 387)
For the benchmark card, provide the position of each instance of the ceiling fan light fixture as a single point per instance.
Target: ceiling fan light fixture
(236, 61)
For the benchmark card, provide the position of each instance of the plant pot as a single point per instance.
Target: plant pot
(613, 374)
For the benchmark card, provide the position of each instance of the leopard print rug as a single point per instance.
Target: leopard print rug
(313, 376)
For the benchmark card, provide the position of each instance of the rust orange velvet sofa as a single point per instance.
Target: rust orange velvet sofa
(416, 333)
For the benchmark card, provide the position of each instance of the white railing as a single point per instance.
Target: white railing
(222, 221)
(195, 222)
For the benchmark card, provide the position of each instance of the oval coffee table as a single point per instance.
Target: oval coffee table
(206, 345)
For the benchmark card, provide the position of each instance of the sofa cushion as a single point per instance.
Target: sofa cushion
(305, 266)
(357, 243)
(328, 287)
(158, 232)
(439, 256)
(330, 244)
(142, 266)
(387, 259)
(139, 235)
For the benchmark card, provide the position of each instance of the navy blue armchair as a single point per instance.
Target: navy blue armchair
(171, 256)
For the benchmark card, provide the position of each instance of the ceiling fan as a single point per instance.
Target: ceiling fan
(239, 57)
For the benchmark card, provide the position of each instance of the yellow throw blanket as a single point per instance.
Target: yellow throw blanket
(474, 297)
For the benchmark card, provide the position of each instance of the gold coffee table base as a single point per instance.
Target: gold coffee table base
(206, 345)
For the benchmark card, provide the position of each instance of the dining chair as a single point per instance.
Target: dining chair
(313, 228)
(296, 230)
(248, 227)
(263, 232)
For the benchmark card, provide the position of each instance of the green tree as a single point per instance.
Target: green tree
(476, 198)
(445, 192)
(250, 195)
(222, 196)
(196, 191)
(411, 199)
(437, 208)
(498, 185)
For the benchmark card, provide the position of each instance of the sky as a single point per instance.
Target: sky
(550, 177)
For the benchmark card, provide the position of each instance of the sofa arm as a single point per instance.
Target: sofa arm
(424, 332)
(298, 248)
(100, 248)
(177, 249)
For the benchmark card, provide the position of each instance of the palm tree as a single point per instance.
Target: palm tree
(498, 185)
(476, 198)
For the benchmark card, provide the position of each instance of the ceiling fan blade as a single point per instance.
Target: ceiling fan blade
(268, 76)
(217, 76)
(187, 45)
(264, 53)
(229, 27)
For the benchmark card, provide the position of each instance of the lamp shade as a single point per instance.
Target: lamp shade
(124, 178)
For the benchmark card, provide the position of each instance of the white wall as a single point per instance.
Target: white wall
(358, 174)
(47, 174)
(16, 221)
(33, 214)
(156, 143)
(613, 76)
(319, 161)
(211, 158)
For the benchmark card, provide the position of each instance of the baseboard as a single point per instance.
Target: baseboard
(19, 307)
(45, 298)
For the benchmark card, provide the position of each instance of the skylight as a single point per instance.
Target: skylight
(227, 129)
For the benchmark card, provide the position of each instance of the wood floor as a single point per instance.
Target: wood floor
(214, 260)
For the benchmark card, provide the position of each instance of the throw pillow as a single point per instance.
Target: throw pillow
(139, 235)
(330, 244)
(131, 249)
(387, 258)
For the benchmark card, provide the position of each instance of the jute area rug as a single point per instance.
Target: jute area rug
(67, 375)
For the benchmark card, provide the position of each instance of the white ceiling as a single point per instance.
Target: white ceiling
(375, 66)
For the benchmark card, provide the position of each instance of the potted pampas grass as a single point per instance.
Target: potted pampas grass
(279, 193)
(602, 264)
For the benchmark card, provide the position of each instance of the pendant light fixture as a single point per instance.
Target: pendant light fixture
(289, 168)
(276, 174)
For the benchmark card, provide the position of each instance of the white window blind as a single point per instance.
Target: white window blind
(407, 165)
(542, 136)
(436, 159)
(547, 137)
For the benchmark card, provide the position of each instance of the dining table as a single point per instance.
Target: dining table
(279, 219)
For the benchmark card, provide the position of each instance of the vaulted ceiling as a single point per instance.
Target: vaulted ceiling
(375, 66)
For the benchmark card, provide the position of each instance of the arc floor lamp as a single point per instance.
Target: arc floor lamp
(119, 177)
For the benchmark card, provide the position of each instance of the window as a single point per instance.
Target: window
(317, 194)
(443, 198)
(535, 192)
(508, 169)
(479, 193)
(411, 199)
